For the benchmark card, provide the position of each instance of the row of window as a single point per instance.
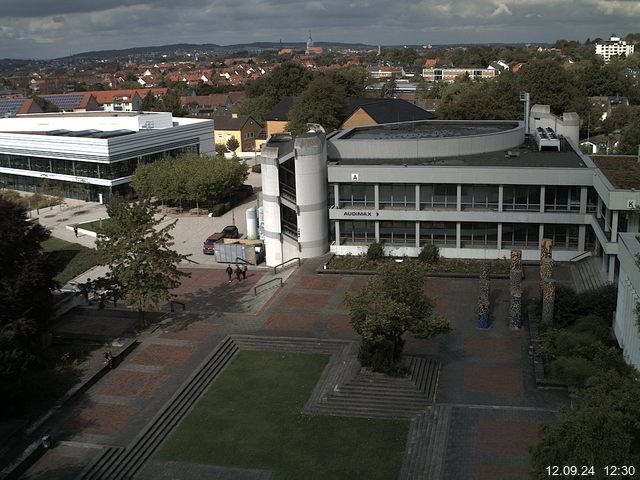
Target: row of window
(76, 168)
(473, 197)
(472, 234)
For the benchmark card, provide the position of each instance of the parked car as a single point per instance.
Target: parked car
(230, 231)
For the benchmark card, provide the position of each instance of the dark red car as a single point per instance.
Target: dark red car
(230, 231)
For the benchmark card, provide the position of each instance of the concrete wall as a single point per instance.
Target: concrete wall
(311, 194)
(271, 203)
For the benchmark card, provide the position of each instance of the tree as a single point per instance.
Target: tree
(391, 304)
(287, 79)
(630, 138)
(149, 103)
(353, 78)
(603, 430)
(26, 282)
(221, 149)
(46, 105)
(233, 144)
(322, 102)
(141, 262)
(256, 107)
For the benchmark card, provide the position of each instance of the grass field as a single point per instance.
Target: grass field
(70, 258)
(251, 418)
(95, 225)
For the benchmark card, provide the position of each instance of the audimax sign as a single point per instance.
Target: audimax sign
(359, 213)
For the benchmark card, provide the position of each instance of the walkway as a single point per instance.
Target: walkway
(487, 409)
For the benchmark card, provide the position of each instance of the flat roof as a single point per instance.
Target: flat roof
(623, 171)
(430, 129)
(526, 156)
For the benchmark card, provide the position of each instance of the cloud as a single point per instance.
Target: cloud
(47, 28)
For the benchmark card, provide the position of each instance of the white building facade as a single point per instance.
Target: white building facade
(614, 47)
(626, 326)
(476, 189)
(92, 155)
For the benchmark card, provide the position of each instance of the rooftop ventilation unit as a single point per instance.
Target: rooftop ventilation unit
(547, 139)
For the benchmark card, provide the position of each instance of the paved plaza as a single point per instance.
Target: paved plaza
(486, 383)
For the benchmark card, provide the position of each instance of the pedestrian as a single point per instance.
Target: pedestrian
(75, 230)
(238, 273)
(108, 357)
(244, 272)
(229, 271)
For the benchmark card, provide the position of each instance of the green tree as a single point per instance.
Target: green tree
(221, 149)
(630, 138)
(353, 79)
(256, 107)
(26, 283)
(322, 102)
(149, 103)
(45, 104)
(391, 304)
(233, 144)
(286, 79)
(603, 430)
(139, 254)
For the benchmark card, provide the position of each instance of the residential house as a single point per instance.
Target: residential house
(74, 102)
(10, 107)
(376, 111)
(241, 127)
(449, 74)
(206, 106)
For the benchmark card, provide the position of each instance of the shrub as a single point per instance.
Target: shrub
(256, 168)
(220, 209)
(570, 306)
(375, 251)
(429, 254)
(573, 370)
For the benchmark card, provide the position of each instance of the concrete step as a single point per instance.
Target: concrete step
(126, 463)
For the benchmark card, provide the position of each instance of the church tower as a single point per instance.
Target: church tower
(309, 43)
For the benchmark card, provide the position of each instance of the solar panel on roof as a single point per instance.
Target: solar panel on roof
(10, 105)
(112, 133)
(65, 101)
(83, 133)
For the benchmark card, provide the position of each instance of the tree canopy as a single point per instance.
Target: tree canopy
(321, 102)
(189, 177)
(143, 267)
(392, 303)
(603, 430)
(26, 282)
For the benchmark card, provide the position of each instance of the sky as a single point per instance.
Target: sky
(56, 28)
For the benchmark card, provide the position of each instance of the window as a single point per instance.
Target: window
(479, 235)
(521, 197)
(520, 235)
(438, 233)
(397, 196)
(562, 199)
(438, 196)
(357, 232)
(289, 221)
(398, 233)
(563, 236)
(592, 200)
(480, 197)
(356, 195)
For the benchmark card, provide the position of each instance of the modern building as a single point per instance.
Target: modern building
(449, 74)
(626, 324)
(476, 189)
(94, 154)
(614, 47)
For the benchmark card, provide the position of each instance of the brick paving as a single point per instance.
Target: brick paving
(485, 377)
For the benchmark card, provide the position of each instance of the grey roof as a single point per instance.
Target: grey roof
(526, 155)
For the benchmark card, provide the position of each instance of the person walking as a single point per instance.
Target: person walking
(75, 230)
(229, 271)
(244, 272)
(238, 273)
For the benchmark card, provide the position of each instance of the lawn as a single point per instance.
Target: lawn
(95, 225)
(251, 418)
(71, 259)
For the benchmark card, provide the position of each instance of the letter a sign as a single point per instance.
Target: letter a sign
(355, 177)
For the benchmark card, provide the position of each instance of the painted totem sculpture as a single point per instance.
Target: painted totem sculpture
(483, 307)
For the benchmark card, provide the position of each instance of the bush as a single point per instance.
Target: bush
(429, 254)
(570, 306)
(220, 209)
(573, 370)
(256, 168)
(375, 251)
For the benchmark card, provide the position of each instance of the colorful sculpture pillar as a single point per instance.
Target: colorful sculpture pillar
(548, 299)
(515, 283)
(483, 307)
